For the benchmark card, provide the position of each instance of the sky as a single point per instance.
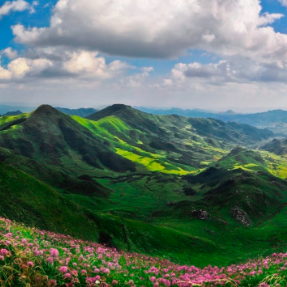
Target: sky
(209, 54)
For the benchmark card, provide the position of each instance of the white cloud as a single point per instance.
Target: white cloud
(155, 29)
(234, 70)
(18, 5)
(86, 63)
(71, 65)
(21, 67)
(283, 2)
(9, 53)
(137, 80)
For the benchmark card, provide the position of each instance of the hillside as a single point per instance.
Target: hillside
(276, 146)
(51, 137)
(28, 200)
(189, 142)
(82, 112)
(240, 188)
(31, 257)
(275, 120)
(145, 182)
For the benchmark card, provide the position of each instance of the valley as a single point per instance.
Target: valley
(192, 190)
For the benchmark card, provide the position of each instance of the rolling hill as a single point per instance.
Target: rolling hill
(276, 146)
(145, 182)
(275, 120)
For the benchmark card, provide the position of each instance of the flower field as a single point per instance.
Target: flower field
(31, 257)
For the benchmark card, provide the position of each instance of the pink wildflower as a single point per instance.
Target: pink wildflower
(54, 252)
(63, 269)
(4, 252)
(67, 275)
(50, 260)
(30, 264)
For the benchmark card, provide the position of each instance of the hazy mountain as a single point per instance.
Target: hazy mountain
(6, 109)
(13, 113)
(277, 146)
(275, 120)
(82, 112)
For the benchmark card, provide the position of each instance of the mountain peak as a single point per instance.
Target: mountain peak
(228, 113)
(45, 110)
(110, 111)
(119, 106)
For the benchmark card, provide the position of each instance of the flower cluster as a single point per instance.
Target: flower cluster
(43, 258)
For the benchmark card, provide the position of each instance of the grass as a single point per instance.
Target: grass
(31, 257)
(149, 209)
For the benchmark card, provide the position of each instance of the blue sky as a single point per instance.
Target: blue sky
(196, 54)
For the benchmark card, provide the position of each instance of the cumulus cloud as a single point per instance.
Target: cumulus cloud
(9, 53)
(18, 5)
(137, 80)
(21, 67)
(160, 30)
(79, 64)
(283, 2)
(86, 63)
(236, 70)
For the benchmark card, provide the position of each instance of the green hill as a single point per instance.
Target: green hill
(276, 146)
(275, 120)
(144, 183)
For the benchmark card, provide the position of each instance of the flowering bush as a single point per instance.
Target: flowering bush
(30, 257)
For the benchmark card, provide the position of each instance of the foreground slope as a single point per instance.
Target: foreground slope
(28, 200)
(31, 257)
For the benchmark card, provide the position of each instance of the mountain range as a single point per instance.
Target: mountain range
(16, 110)
(275, 120)
(194, 190)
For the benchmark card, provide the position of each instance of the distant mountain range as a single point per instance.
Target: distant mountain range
(275, 120)
(16, 110)
(82, 112)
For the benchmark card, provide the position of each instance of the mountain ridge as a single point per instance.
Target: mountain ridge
(135, 175)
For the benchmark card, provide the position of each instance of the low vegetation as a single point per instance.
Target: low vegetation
(31, 257)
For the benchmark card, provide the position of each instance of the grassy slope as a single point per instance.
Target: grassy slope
(148, 195)
(25, 199)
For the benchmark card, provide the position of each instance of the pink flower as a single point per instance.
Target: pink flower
(63, 269)
(152, 279)
(50, 260)
(67, 275)
(54, 252)
(52, 283)
(4, 252)
(74, 273)
(30, 264)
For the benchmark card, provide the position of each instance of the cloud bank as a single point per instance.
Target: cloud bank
(154, 29)
(15, 6)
